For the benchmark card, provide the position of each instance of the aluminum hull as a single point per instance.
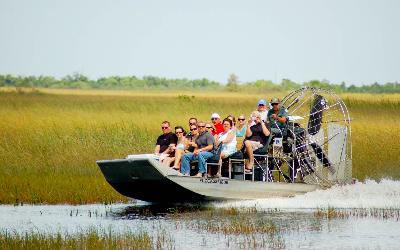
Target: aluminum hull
(144, 178)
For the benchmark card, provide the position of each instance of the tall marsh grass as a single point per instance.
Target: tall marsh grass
(49, 142)
(92, 239)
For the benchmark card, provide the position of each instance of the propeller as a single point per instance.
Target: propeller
(314, 126)
(321, 155)
(318, 106)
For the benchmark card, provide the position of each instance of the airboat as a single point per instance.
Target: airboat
(314, 152)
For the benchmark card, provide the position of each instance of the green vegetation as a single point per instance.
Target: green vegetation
(93, 239)
(49, 142)
(79, 81)
(332, 213)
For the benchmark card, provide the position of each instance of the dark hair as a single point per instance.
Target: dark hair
(233, 118)
(180, 127)
(228, 120)
(192, 118)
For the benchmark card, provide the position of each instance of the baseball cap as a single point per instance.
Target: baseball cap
(262, 102)
(275, 100)
(215, 115)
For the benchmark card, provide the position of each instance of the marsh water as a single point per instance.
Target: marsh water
(362, 215)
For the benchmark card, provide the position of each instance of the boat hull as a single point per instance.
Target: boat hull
(144, 178)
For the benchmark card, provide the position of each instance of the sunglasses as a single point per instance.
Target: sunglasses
(241, 119)
(179, 132)
(201, 126)
(214, 118)
(192, 123)
(208, 127)
(273, 104)
(261, 105)
(164, 127)
(193, 129)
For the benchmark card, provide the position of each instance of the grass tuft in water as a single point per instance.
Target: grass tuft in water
(333, 213)
(92, 239)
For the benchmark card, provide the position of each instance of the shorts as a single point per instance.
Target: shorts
(255, 145)
(229, 151)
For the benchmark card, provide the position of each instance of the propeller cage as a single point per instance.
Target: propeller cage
(317, 148)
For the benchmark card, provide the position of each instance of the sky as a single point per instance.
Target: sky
(355, 41)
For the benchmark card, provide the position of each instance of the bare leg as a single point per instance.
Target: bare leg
(249, 150)
(178, 156)
(223, 156)
(168, 160)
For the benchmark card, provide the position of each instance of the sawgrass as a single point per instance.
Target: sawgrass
(92, 239)
(49, 142)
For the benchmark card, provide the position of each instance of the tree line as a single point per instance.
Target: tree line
(79, 81)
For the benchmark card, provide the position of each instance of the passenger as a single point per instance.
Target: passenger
(216, 120)
(192, 121)
(240, 131)
(165, 143)
(232, 118)
(262, 109)
(210, 129)
(277, 117)
(191, 139)
(203, 145)
(257, 134)
(227, 138)
(241, 128)
(180, 146)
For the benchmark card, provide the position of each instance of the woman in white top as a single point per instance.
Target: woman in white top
(228, 141)
(227, 138)
(180, 147)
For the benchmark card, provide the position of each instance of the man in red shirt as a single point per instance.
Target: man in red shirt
(218, 127)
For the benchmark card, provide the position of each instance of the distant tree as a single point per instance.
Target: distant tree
(287, 84)
(343, 87)
(233, 83)
(108, 82)
(45, 81)
(77, 80)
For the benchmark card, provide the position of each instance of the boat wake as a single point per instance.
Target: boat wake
(369, 194)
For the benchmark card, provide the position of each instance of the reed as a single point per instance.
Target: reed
(333, 213)
(92, 239)
(241, 227)
(49, 141)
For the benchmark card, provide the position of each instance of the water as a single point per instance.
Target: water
(367, 216)
(362, 195)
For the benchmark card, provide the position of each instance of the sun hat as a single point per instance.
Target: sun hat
(262, 102)
(215, 115)
(275, 100)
